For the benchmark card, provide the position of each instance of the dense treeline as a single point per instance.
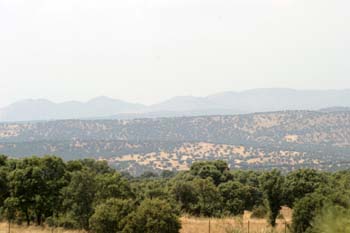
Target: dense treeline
(88, 194)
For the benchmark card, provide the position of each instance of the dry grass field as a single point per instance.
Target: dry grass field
(230, 225)
(189, 225)
(32, 229)
(192, 225)
(236, 225)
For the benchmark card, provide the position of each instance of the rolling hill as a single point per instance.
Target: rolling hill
(286, 140)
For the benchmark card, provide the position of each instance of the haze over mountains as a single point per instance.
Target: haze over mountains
(257, 100)
(313, 133)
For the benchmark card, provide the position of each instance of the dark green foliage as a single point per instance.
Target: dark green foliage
(54, 177)
(167, 174)
(78, 198)
(302, 182)
(36, 183)
(216, 170)
(186, 195)
(84, 194)
(209, 202)
(305, 210)
(4, 189)
(149, 175)
(272, 185)
(197, 196)
(112, 185)
(3, 159)
(149, 189)
(96, 167)
(10, 208)
(74, 165)
(110, 216)
(153, 216)
(237, 197)
(251, 178)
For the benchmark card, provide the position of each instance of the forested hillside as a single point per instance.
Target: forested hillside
(287, 140)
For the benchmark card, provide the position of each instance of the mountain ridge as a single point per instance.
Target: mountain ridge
(250, 101)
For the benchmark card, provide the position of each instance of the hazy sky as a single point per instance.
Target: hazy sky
(148, 50)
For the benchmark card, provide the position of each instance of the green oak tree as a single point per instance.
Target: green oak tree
(78, 198)
(272, 185)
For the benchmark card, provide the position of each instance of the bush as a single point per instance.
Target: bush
(66, 221)
(332, 219)
(305, 210)
(259, 212)
(110, 216)
(153, 216)
(209, 199)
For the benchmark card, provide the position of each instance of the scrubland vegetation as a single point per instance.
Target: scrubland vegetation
(89, 196)
(286, 140)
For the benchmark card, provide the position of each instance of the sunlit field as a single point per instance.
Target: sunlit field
(32, 229)
(229, 225)
(191, 225)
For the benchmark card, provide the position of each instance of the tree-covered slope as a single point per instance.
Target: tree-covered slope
(287, 139)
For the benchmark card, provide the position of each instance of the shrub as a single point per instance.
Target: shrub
(109, 217)
(305, 210)
(153, 216)
(332, 219)
(259, 212)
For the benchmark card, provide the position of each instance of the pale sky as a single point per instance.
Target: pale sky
(149, 50)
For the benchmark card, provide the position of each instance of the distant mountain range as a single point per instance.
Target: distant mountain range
(227, 103)
(37, 110)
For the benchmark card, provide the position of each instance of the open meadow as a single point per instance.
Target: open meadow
(189, 225)
(236, 225)
(229, 225)
(33, 229)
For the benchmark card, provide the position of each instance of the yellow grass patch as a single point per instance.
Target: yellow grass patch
(192, 225)
(291, 138)
(33, 229)
(229, 225)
